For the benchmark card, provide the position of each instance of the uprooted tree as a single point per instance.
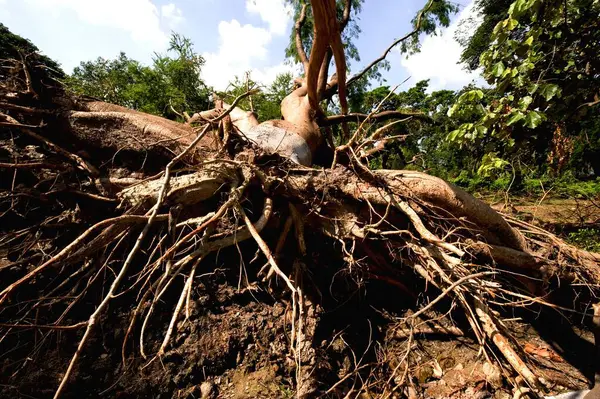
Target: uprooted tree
(178, 193)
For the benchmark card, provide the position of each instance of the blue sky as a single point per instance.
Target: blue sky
(234, 36)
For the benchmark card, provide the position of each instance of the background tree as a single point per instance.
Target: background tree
(170, 86)
(476, 42)
(543, 65)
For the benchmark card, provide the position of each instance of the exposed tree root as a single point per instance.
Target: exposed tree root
(392, 226)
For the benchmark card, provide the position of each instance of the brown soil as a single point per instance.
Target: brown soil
(554, 211)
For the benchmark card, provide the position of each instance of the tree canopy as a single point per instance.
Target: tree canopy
(170, 86)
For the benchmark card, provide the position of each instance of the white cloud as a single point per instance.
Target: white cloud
(239, 46)
(172, 15)
(274, 12)
(4, 13)
(243, 47)
(440, 55)
(72, 31)
(140, 18)
(267, 75)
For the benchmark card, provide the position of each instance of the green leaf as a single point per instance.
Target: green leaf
(498, 69)
(533, 119)
(453, 109)
(511, 23)
(532, 88)
(570, 64)
(490, 163)
(516, 117)
(480, 131)
(549, 90)
(507, 72)
(471, 96)
(528, 41)
(526, 66)
(525, 102)
(453, 135)
(499, 26)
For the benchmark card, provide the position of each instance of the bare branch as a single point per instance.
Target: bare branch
(386, 52)
(346, 15)
(299, 46)
(380, 145)
(320, 45)
(447, 291)
(32, 165)
(22, 109)
(382, 116)
(324, 74)
(326, 35)
(234, 104)
(325, 88)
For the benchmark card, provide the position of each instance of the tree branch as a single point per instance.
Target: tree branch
(83, 164)
(324, 87)
(345, 15)
(327, 35)
(324, 74)
(299, 46)
(382, 116)
(321, 41)
(386, 52)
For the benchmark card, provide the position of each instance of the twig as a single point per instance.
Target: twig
(120, 220)
(447, 291)
(44, 326)
(187, 287)
(394, 44)
(128, 261)
(239, 98)
(32, 165)
(382, 116)
(266, 251)
(503, 345)
(298, 38)
(19, 125)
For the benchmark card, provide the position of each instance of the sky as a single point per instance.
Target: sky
(234, 36)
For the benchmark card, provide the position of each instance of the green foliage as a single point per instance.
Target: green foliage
(492, 12)
(171, 83)
(586, 238)
(490, 163)
(436, 13)
(541, 59)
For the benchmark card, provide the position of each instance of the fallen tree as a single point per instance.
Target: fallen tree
(175, 194)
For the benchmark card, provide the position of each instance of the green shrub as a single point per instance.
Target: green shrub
(586, 238)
